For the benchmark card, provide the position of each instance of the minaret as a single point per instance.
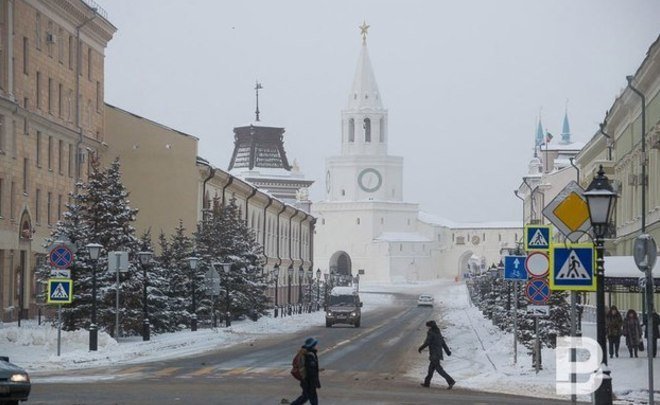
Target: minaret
(539, 137)
(364, 121)
(565, 130)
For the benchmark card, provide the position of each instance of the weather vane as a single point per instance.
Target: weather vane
(363, 30)
(257, 87)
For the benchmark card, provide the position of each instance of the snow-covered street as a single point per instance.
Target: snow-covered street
(481, 358)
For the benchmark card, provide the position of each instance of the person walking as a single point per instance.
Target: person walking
(310, 373)
(436, 344)
(632, 330)
(614, 326)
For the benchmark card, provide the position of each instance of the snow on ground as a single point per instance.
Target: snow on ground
(482, 354)
(34, 347)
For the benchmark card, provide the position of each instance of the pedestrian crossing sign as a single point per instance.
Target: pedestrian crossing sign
(572, 267)
(60, 291)
(537, 237)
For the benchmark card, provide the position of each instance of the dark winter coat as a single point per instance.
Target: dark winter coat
(311, 369)
(632, 330)
(436, 343)
(614, 323)
(656, 326)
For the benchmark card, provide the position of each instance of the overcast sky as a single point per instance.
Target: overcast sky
(464, 81)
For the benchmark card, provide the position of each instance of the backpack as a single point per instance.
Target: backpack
(298, 365)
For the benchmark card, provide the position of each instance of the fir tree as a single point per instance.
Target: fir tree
(157, 286)
(177, 251)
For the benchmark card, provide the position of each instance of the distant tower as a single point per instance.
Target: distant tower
(259, 158)
(539, 140)
(565, 130)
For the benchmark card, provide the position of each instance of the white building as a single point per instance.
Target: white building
(364, 226)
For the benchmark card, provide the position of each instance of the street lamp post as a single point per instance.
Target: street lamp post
(192, 263)
(226, 268)
(145, 258)
(301, 280)
(326, 277)
(318, 288)
(601, 199)
(94, 250)
(310, 279)
(276, 274)
(290, 276)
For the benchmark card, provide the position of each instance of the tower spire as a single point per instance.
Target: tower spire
(565, 128)
(363, 31)
(364, 92)
(257, 87)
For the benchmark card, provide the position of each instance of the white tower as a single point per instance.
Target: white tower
(364, 171)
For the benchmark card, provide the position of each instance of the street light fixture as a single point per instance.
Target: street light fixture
(94, 250)
(601, 200)
(276, 274)
(145, 258)
(192, 263)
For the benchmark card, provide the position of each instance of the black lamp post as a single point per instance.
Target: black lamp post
(145, 258)
(192, 263)
(310, 280)
(318, 288)
(289, 272)
(226, 269)
(326, 277)
(601, 200)
(301, 276)
(94, 250)
(276, 274)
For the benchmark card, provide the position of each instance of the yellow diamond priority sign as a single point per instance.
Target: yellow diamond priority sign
(569, 212)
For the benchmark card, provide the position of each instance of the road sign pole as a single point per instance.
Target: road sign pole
(515, 322)
(651, 339)
(573, 350)
(537, 346)
(117, 298)
(59, 329)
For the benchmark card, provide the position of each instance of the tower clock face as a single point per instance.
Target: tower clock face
(370, 180)
(327, 181)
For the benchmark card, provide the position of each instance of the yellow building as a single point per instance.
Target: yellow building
(52, 56)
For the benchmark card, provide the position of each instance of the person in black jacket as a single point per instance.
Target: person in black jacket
(310, 381)
(436, 344)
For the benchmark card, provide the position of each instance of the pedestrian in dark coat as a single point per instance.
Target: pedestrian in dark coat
(436, 344)
(655, 331)
(632, 330)
(310, 382)
(614, 326)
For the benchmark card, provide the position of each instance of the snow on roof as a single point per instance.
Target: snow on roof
(625, 267)
(402, 237)
(573, 146)
(343, 291)
(436, 220)
(264, 172)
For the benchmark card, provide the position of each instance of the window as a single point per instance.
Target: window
(358, 221)
(484, 237)
(460, 240)
(382, 221)
(98, 96)
(2, 188)
(499, 237)
(60, 156)
(89, 63)
(38, 156)
(37, 206)
(367, 130)
(59, 207)
(50, 153)
(14, 139)
(3, 134)
(26, 55)
(49, 207)
(59, 100)
(50, 95)
(343, 192)
(408, 221)
(12, 195)
(70, 52)
(38, 31)
(25, 175)
(60, 45)
(70, 161)
(38, 90)
(381, 132)
(49, 38)
(351, 130)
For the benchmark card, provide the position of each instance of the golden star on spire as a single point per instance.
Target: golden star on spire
(363, 30)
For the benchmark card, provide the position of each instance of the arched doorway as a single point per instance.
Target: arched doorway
(464, 263)
(340, 266)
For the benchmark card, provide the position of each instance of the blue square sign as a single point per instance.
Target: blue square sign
(514, 268)
(572, 267)
(537, 237)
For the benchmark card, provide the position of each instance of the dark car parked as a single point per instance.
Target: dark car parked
(14, 383)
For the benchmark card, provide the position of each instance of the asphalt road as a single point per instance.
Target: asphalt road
(364, 365)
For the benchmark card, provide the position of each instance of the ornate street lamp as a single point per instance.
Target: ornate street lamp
(192, 263)
(276, 274)
(601, 200)
(94, 250)
(145, 259)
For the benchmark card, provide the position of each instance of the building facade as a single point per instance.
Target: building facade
(52, 57)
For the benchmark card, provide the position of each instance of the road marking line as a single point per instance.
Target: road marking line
(166, 372)
(202, 371)
(237, 371)
(131, 370)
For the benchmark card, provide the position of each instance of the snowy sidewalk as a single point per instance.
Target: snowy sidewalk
(482, 357)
